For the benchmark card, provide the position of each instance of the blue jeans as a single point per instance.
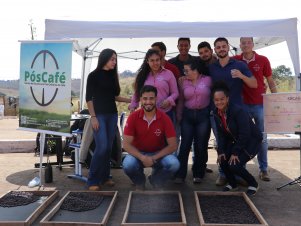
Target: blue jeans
(195, 128)
(256, 112)
(163, 170)
(100, 164)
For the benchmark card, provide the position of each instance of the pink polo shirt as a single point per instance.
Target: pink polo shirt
(167, 88)
(194, 96)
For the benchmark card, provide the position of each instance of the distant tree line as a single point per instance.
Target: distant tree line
(9, 84)
(282, 74)
(284, 78)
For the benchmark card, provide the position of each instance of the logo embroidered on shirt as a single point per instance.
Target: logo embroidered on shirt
(256, 67)
(202, 85)
(158, 132)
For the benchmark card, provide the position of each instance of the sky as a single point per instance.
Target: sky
(16, 15)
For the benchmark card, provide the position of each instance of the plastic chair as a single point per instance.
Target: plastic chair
(77, 166)
(121, 123)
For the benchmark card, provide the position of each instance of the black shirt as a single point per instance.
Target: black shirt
(101, 89)
(180, 64)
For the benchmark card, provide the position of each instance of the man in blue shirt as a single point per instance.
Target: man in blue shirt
(234, 73)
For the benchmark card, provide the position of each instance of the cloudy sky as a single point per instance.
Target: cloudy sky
(15, 17)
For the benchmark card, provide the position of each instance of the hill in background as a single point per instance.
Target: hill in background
(11, 87)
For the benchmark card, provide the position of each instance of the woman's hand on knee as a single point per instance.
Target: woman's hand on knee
(233, 160)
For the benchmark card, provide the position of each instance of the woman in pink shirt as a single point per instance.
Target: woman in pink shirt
(193, 114)
(152, 73)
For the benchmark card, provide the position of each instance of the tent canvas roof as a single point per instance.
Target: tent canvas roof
(91, 36)
(86, 33)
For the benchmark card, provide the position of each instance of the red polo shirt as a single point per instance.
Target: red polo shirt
(260, 67)
(149, 137)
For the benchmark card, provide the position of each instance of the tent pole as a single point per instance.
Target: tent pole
(299, 80)
(82, 82)
(82, 86)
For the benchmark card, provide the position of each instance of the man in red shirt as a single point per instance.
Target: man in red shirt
(150, 139)
(261, 69)
(161, 48)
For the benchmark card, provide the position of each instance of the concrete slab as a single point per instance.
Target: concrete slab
(14, 140)
(14, 146)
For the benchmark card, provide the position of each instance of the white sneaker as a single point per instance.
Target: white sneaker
(34, 182)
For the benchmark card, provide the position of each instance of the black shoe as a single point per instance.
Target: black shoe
(252, 190)
(197, 180)
(230, 188)
(209, 170)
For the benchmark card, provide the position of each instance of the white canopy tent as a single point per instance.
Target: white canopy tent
(91, 36)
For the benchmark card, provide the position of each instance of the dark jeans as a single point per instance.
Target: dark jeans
(195, 127)
(238, 169)
(100, 165)
(172, 115)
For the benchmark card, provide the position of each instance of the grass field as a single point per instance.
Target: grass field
(44, 120)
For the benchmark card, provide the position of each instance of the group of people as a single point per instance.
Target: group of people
(174, 106)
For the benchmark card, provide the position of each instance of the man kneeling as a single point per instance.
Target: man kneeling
(150, 140)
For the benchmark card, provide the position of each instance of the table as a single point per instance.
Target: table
(59, 146)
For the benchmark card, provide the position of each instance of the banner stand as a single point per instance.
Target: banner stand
(37, 181)
(42, 145)
(45, 91)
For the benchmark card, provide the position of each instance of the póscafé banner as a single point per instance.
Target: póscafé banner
(45, 86)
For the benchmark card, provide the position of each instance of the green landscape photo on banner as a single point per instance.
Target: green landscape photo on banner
(45, 86)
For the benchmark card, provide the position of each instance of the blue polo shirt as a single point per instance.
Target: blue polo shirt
(219, 73)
